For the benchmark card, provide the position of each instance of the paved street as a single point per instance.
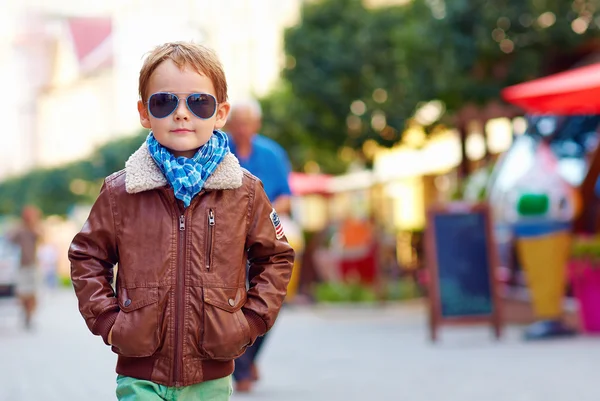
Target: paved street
(318, 354)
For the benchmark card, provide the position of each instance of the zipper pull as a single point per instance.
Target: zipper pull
(211, 218)
(181, 223)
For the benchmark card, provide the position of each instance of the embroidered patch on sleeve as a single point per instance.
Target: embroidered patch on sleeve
(277, 225)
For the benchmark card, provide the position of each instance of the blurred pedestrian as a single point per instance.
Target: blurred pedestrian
(26, 236)
(258, 154)
(181, 221)
(267, 160)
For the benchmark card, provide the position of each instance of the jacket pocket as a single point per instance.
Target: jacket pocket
(135, 332)
(226, 333)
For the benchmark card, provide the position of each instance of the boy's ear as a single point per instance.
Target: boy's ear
(221, 115)
(144, 117)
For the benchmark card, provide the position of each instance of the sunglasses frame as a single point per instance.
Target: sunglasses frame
(176, 94)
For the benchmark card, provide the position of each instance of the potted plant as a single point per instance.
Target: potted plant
(584, 269)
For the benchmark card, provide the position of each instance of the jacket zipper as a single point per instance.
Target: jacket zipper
(180, 281)
(209, 244)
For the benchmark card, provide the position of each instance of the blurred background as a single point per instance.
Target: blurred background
(387, 109)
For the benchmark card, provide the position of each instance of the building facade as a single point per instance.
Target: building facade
(72, 67)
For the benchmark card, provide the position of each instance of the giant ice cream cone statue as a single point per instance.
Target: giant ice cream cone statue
(539, 206)
(543, 258)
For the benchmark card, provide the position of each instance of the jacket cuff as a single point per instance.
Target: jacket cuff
(258, 326)
(104, 323)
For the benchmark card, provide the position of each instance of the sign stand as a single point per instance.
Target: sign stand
(461, 259)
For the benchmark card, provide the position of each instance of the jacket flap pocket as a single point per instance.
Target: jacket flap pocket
(131, 299)
(229, 299)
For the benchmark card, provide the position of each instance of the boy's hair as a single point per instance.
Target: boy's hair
(185, 54)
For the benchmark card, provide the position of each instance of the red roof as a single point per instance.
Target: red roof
(92, 41)
(573, 92)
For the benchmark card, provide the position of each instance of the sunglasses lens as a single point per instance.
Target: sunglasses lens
(202, 105)
(161, 105)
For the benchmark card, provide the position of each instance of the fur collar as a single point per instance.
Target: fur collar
(142, 173)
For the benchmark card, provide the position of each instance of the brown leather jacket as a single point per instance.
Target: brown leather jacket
(181, 312)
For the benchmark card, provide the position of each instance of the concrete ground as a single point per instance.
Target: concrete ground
(318, 354)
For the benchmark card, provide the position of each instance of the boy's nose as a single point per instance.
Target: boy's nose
(182, 112)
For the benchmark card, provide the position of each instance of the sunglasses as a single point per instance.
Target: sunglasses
(163, 104)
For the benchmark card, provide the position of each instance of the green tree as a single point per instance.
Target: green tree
(361, 73)
(326, 57)
(56, 190)
(484, 46)
(285, 121)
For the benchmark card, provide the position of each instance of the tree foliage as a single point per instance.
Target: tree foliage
(356, 73)
(56, 190)
(484, 46)
(285, 120)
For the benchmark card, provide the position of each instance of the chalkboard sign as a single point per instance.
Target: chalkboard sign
(461, 258)
(462, 264)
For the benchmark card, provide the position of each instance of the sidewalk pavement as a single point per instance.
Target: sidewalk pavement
(318, 354)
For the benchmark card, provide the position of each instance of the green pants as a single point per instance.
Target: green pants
(130, 389)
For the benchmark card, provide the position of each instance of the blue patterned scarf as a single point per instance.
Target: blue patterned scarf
(187, 176)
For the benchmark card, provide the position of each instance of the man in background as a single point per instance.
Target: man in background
(267, 160)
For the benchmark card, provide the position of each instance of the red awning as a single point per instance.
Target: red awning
(307, 184)
(572, 92)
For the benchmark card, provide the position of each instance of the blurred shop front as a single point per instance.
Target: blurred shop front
(367, 225)
(411, 179)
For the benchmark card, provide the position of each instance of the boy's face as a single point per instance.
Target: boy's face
(182, 132)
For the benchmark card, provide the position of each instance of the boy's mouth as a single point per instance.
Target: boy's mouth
(181, 130)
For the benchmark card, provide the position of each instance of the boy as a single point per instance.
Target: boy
(181, 220)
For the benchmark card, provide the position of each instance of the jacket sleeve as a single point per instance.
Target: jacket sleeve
(270, 265)
(93, 255)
